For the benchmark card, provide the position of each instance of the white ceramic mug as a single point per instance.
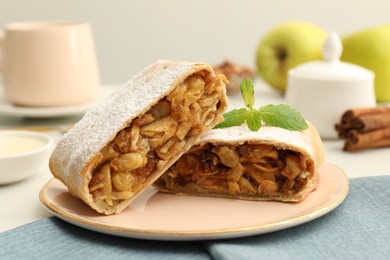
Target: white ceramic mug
(49, 63)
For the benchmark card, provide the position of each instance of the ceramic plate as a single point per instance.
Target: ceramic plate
(160, 216)
(8, 109)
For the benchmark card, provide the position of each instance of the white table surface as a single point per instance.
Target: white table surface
(20, 203)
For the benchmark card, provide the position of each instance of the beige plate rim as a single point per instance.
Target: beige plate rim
(188, 235)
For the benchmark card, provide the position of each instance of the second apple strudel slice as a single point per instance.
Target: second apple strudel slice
(271, 164)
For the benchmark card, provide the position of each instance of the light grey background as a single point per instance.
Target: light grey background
(132, 34)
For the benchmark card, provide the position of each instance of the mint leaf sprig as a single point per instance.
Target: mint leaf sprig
(281, 115)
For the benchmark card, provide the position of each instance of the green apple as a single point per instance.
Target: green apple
(286, 46)
(370, 48)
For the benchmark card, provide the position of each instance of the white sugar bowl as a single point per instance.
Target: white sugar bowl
(323, 90)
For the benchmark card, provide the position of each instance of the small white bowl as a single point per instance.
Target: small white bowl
(22, 154)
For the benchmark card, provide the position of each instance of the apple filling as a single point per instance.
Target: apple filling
(248, 170)
(155, 137)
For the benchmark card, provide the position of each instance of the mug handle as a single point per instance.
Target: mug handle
(1, 49)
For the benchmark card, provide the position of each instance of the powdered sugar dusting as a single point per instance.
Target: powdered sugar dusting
(100, 125)
(267, 134)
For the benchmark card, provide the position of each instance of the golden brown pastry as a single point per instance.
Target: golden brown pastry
(123, 145)
(271, 164)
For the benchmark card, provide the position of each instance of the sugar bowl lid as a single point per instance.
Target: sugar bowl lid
(331, 68)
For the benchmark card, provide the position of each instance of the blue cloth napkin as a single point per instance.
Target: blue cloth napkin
(55, 239)
(358, 229)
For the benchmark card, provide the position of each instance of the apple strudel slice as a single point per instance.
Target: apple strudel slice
(123, 145)
(271, 164)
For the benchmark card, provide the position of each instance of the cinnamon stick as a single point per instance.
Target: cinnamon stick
(349, 114)
(371, 121)
(351, 147)
(366, 137)
(364, 128)
(342, 129)
(361, 140)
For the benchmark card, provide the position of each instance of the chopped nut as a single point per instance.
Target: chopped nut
(246, 186)
(228, 156)
(233, 187)
(128, 162)
(122, 181)
(235, 173)
(267, 186)
(121, 195)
